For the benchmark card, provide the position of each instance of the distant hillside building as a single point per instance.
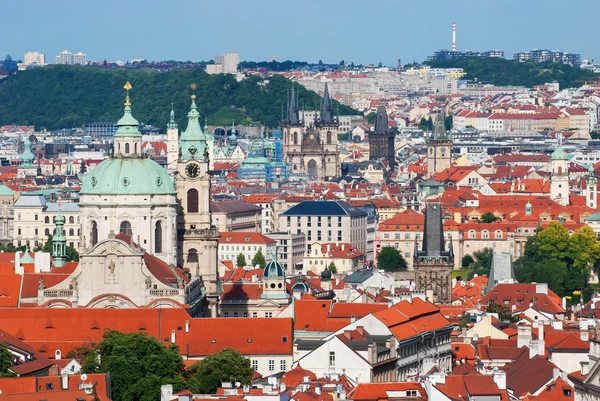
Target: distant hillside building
(68, 58)
(34, 58)
(450, 55)
(543, 55)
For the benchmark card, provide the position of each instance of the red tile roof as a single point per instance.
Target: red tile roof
(379, 391)
(242, 237)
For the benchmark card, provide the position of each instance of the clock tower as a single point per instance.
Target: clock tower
(198, 241)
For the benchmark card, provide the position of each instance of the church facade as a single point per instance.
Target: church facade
(311, 149)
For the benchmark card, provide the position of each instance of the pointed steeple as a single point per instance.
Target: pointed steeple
(172, 124)
(326, 107)
(69, 164)
(292, 111)
(233, 136)
(193, 139)
(381, 120)
(59, 241)
(439, 126)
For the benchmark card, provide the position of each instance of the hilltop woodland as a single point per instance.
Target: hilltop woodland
(67, 96)
(499, 71)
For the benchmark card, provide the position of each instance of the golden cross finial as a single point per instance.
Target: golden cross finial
(127, 87)
(193, 86)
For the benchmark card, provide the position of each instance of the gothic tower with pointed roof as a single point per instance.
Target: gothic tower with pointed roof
(311, 150)
(433, 263)
(439, 147)
(197, 238)
(381, 139)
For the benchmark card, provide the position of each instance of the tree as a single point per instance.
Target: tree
(483, 262)
(467, 261)
(241, 260)
(206, 376)
(5, 362)
(332, 268)
(465, 321)
(390, 259)
(371, 118)
(72, 254)
(258, 259)
(488, 217)
(551, 271)
(503, 312)
(138, 365)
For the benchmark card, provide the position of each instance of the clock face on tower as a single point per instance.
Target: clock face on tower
(192, 170)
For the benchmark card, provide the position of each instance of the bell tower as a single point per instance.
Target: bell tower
(592, 189)
(172, 141)
(197, 239)
(559, 175)
(439, 147)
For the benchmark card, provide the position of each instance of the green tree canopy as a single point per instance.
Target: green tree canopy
(467, 261)
(259, 259)
(371, 118)
(241, 260)
(332, 268)
(483, 263)
(5, 362)
(138, 365)
(390, 259)
(488, 217)
(206, 376)
(72, 254)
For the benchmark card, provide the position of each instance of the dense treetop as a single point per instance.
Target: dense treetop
(68, 96)
(499, 71)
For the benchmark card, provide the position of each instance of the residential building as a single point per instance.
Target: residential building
(290, 249)
(543, 55)
(320, 255)
(7, 199)
(264, 201)
(327, 221)
(234, 243)
(401, 232)
(236, 215)
(34, 58)
(34, 220)
(225, 64)
(66, 57)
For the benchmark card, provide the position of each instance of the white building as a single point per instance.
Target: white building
(225, 64)
(34, 58)
(66, 57)
(231, 244)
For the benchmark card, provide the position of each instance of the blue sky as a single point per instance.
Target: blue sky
(331, 30)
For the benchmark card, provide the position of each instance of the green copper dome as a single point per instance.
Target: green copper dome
(123, 176)
(559, 154)
(128, 125)
(274, 269)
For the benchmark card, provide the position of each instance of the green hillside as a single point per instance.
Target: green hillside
(499, 71)
(62, 96)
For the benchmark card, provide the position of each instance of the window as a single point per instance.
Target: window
(192, 201)
(126, 148)
(125, 228)
(485, 234)
(268, 314)
(71, 220)
(94, 233)
(35, 217)
(71, 232)
(406, 255)
(158, 237)
(36, 231)
(254, 314)
(271, 365)
(331, 359)
(47, 220)
(254, 364)
(407, 236)
(235, 314)
(282, 365)
(226, 314)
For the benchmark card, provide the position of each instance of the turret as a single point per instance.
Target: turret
(326, 116)
(128, 138)
(193, 140)
(292, 109)
(59, 241)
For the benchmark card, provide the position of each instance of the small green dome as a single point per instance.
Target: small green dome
(124, 176)
(6, 191)
(26, 258)
(559, 154)
(274, 269)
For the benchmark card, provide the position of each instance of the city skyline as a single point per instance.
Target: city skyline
(306, 31)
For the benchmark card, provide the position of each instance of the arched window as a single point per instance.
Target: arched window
(47, 220)
(135, 148)
(126, 148)
(328, 137)
(118, 148)
(71, 219)
(125, 228)
(94, 233)
(192, 256)
(71, 232)
(158, 237)
(46, 232)
(295, 138)
(192, 201)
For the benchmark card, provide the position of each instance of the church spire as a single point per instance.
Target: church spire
(381, 120)
(172, 124)
(128, 138)
(193, 139)
(439, 126)
(59, 241)
(292, 111)
(326, 107)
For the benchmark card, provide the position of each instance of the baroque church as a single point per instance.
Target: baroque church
(148, 239)
(311, 148)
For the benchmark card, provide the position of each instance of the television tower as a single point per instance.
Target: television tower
(453, 37)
